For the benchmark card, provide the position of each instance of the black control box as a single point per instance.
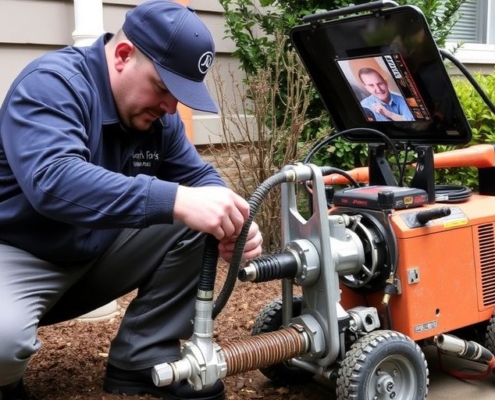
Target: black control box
(381, 197)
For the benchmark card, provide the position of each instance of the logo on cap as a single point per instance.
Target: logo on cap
(205, 62)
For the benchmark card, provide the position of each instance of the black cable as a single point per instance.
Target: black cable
(328, 171)
(330, 138)
(331, 170)
(318, 146)
(452, 193)
(254, 203)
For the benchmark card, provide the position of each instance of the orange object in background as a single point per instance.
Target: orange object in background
(478, 156)
(185, 112)
(186, 115)
(360, 175)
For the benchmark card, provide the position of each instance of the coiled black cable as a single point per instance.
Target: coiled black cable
(452, 193)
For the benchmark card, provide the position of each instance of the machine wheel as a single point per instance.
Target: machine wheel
(490, 335)
(383, 365)
(270, 320)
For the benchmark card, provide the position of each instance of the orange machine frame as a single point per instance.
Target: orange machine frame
(447, 265)
(446, 269)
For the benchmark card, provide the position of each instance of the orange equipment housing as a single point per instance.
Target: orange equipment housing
(439, 266)
(446, 268)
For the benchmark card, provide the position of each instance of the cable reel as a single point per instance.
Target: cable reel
(377, 266)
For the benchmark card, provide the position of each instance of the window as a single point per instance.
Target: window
(475, 29)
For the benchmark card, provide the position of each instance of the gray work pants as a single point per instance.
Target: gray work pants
(163, 262)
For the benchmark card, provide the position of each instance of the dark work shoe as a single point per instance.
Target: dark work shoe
(14, 391)
(131, 383)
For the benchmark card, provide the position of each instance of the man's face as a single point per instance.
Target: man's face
(376, 86)
(140, 95)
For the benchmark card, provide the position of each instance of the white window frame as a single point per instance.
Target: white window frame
(478, 53)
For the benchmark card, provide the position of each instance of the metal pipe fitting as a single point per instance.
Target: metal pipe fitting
(466, 349)
(233, 358)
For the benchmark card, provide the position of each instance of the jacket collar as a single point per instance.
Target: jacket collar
(97, 64)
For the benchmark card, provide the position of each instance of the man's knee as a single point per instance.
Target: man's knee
(17, 344)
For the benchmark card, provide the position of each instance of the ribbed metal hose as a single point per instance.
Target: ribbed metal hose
(266, 349)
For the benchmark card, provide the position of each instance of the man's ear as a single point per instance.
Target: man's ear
(122, 54)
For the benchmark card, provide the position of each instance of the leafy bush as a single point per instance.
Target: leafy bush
(479, 116)
(252, 24)
(481, 120)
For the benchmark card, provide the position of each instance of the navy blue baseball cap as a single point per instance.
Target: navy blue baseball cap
(180, 45)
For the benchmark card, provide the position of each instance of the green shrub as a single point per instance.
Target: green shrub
(479, 116)
(252, 25)
(481, 120)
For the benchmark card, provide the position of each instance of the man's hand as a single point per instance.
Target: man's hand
(220, 212)
(211, 209)
(252, 248)
(381, 109)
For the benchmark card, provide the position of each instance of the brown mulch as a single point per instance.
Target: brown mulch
(71, 363)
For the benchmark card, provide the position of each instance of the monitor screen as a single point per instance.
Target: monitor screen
(383, 71)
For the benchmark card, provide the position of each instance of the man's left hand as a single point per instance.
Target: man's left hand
(252, 248)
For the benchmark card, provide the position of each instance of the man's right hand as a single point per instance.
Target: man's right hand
(211, 209)
(380, 109)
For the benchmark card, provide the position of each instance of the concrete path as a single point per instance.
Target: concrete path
(445, 387)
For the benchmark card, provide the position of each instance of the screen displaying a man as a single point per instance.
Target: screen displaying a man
(385, 105)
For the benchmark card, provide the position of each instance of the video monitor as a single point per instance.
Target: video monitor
(383, 71)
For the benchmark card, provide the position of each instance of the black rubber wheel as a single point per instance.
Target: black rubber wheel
(270, 320)
(383, 365)
(490, 335)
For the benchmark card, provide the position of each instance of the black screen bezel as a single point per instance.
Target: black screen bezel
(320, 45)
